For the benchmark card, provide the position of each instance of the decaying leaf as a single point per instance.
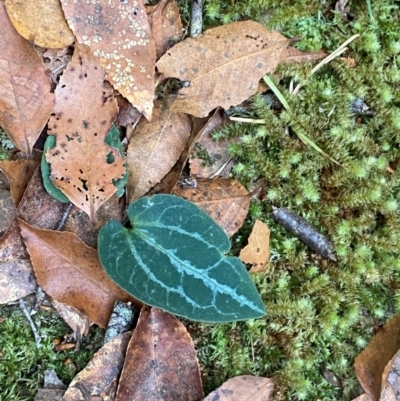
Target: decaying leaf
(70, 272)
(256, 251)
(225, 200)
(292, 55)
(154, 149)
(25, 98)
(18, 172)
(98, 381)
(371, 362)
(243, 388)
(75, 319)
(165, 23)
(222, 66)
(210, 158)
(119, 35)
(161, 361)
(41, 22)
(7, 210)
(82, 117)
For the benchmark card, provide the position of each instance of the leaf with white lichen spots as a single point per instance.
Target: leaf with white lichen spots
(119, 35)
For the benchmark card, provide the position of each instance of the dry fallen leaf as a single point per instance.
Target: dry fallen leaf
(244, 388)
(70, 272)
(165, 23)
(224, 199)
(292, 55)
(222, 66)
(119, 35)
(75, 319)
(25, 98)
(82, 117)
(256, 252)
(160, 362)
(98, 381)
(371, 362)
(18, 172)
(7, 210)
(41, 22)
(210, 158)
(154, 149)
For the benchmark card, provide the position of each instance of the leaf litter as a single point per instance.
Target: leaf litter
(75, 115)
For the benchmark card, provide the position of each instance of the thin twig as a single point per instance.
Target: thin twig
(64, 217)
(196, 25)
(32, 324)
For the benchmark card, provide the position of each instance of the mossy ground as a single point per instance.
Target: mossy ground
(320, 314)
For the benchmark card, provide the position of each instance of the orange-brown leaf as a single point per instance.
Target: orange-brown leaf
(224, 199)
(82, 117)
(166, 25)
(154, 149)
(25, 98)
(160, 362)
(41, 22)
(244, 388)
(222, 66)
(98, 379)
(371, 362)
(119, 35)
(71, 272)
(256, 251)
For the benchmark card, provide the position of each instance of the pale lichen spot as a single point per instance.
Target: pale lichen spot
(142, 69)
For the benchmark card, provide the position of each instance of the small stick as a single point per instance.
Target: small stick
(196, 25)
(32, 324)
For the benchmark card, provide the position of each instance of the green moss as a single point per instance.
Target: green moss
(320, 314)
(22, 364)
(5, 145)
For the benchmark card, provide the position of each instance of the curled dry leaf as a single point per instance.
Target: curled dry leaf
(18, 172)
(154, 149)
(210, 158)
(25, 98)
(82, 117)
(99, 379)
(119, 35)
(75, 319)
(70, 272)
(165, 23)
(224, 199)
(222, 66)
(41, 22)
(257, 250)
(244, 388)
(371, 362)
(160, 362)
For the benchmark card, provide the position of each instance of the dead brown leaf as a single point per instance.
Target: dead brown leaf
(161, 361)
(75, 319)
(82, 117)
(41, 22)
(7, 210)
(222, 66)
(154, 149)
(257, 250)
(98, 380)
(210, 158)
(71, 272)
(119, 35)
(244, 388)
(165, 23)
(19, 173)
(292, 55)
(225, 200)
(25, 98)
(371, 362)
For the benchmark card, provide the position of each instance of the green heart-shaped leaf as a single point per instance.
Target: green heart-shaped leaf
(173, 258)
